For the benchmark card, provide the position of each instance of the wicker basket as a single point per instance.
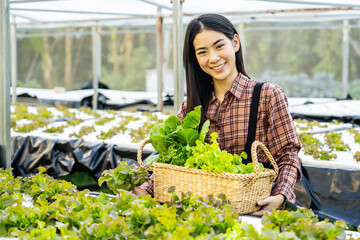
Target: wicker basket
(242, 190)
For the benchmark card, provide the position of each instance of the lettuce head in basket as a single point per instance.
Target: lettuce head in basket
(174, 139)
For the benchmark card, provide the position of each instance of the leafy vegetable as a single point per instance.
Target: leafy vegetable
(357, 156)
(173, 138)
(314, 147)
(209, 157)
(303, 224)
(40, 207)
(333, 140)
(182, 144)
(124, 177)
(85, 130)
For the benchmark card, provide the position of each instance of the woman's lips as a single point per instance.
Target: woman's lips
(218, 67)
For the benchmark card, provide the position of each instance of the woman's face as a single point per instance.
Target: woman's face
(215, 54)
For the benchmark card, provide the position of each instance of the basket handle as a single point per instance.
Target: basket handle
(139, 154)
(254, 146)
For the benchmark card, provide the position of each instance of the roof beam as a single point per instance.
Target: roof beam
(25, 17)
(29, 1)
(156, 4)
(314, 3)
(82, 12)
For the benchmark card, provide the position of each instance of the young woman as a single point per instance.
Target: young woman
(216, 80)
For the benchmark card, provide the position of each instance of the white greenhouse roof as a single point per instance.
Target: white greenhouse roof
(50, 13)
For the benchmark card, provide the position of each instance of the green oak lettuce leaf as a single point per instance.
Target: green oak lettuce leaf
(124, 176)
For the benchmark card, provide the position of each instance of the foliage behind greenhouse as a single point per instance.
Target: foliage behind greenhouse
(294, 59)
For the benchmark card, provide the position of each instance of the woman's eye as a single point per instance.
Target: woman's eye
(201, 53)
(220, 46)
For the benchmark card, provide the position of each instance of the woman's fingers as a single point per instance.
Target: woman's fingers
(268, 204)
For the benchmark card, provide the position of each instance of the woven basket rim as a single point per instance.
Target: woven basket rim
(268, 172)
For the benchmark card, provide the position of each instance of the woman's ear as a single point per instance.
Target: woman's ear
(236, 42)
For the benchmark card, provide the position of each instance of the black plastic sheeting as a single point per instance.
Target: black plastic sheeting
(63, 157)
(338, 191)
(346, 119)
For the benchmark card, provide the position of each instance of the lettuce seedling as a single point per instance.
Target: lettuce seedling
(124, 177)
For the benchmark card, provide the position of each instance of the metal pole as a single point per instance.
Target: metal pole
(13, 60)
(242, 37)
(178, 46)
(159, 59)
(326, 3)
(5, 78)
(96, 63)
(345, 62)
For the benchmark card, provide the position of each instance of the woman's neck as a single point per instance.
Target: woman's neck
(221, 87)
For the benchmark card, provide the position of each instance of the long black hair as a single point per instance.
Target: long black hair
(199, 85)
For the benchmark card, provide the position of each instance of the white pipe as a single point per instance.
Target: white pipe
(96, 63)
(159, 60)
(13, 61)
(345, 62)
(178, 46)
(5, 78)
(242, 36)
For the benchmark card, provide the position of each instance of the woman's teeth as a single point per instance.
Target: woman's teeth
(218, 67)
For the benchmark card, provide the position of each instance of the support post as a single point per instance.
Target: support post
(242, 36)
(345, 62)
(5, 78)
(96, 63)
(13, 60)
(178, 62)
(159, 59)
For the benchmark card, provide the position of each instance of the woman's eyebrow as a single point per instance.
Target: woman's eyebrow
(216, 42)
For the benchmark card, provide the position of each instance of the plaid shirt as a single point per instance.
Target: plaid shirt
(275, 128)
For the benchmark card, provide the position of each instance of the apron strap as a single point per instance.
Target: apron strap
(252, 123)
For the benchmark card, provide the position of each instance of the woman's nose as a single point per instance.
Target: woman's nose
(214, 57)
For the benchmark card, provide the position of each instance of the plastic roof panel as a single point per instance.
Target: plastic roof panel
(231, 6)
(76, 11)
(82, 10)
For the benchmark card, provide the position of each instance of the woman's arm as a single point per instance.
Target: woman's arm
(284, 145)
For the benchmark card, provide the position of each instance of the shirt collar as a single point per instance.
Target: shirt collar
(213, 97)
(238, 86)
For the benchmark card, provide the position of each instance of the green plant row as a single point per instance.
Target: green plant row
(40, 207)
(43, 119)
(312, 146)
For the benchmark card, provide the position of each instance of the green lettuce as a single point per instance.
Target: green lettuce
(173, 139)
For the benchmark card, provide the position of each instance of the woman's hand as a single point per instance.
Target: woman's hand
(268, 204)
(137, 192)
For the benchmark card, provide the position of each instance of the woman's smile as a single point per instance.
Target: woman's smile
(218, 68)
